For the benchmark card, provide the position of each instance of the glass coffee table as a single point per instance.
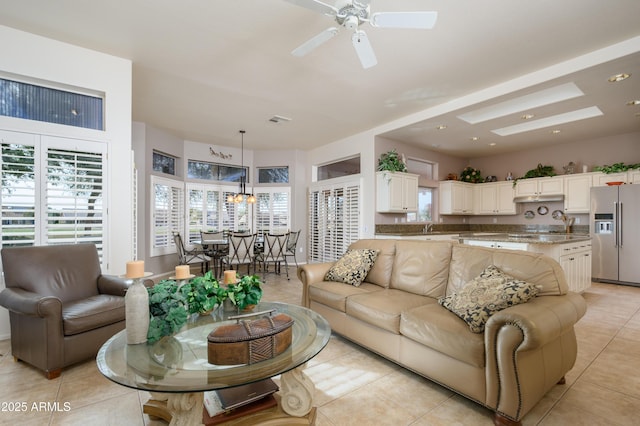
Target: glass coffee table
(176, 372)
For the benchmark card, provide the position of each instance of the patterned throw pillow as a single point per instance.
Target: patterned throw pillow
(353, 267)
(488, 293)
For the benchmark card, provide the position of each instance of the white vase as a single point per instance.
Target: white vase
(136, 305)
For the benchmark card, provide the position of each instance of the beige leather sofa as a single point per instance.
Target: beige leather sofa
(524, 351)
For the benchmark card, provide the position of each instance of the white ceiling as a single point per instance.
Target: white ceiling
(204, 69)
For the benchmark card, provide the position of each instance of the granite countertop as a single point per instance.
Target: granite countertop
(530, 238)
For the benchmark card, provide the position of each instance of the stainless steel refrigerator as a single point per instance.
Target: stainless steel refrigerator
(615, 231)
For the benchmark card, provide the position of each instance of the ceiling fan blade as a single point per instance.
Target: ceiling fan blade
(418, 20)
(363, 49)
(314, 42)
(317, 6)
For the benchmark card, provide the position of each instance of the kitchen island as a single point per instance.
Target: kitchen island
(572, 251)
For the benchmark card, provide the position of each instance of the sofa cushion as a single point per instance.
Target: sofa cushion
(334, 294)
(91, 313)
(380, 273)
(467, 262)
(421, 267)
(488, 293)
(353, 267)
(437, 328)
(383, 308)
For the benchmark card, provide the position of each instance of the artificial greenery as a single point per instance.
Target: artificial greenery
(616, 168)
(391, 162)
(540, 171)
(247, 291)
(471, 175)
(167, 310)
(202, 294)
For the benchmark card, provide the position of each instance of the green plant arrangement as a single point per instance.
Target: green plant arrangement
(539, 171)
(202, 294)
(167, 310)
(391, 162)
(616, 168)
(471, 175)
(247, 291)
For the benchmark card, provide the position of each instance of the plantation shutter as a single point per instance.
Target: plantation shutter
(74, 203)
(334, 219)
(272, 211)
(203, 210)
(168, 212)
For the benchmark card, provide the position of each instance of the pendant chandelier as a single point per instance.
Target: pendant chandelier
(242, 194)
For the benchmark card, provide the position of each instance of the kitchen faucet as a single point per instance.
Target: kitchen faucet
(427, 228)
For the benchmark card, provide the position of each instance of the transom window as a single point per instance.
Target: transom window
(164, 163)
(39, 103)
(273, 174)
(214, 171)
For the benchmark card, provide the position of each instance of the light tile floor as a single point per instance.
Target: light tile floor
(354, 386)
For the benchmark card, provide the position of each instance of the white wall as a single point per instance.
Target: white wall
(27, 55)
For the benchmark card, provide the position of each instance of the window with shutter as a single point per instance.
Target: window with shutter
(272, 212)
(167, 212)
(334, 219)
(52, 191)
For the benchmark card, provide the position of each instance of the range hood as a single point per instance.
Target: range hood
(538, 198)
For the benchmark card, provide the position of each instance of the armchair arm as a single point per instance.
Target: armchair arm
(116, 286)
(33, 304)
(309, 274)
(111, 284)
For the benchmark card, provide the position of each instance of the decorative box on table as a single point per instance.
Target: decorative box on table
(250, 341)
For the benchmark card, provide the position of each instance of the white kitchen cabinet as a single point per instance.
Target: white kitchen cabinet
(601, 179)
(577, 193)
(456, 197)
(575, 259)
(498, 244)
(634, 176)
(540, 186)
(396, 192)
(494, 199)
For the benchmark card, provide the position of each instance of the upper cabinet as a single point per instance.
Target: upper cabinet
(539, 186)
(494, 198)
(577, 193)
(456, 197)
(634, 176)
(601, 179)
(396, 192)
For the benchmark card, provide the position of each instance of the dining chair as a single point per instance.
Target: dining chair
(190, 257)
(240, 252)
(216, 251)
(273, 252)
(292, 243)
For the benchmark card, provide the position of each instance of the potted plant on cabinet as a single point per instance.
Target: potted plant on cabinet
(391, 162)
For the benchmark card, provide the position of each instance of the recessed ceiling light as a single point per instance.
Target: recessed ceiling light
(474, 138)
(553, 120)
(555, 132)
(441, 127)
(619, 77)
(527, 116)
(634, 102)
(492, 144)
(523, 103)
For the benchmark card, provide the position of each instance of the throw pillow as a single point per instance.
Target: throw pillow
(353, 267)
(488, 293)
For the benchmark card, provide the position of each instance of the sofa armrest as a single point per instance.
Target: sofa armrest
(542, 319)
(33, 304)
(528, 349)
(309, 274)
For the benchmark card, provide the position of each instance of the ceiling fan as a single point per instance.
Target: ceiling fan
(351, 14)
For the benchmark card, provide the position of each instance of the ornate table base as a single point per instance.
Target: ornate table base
(295, 405)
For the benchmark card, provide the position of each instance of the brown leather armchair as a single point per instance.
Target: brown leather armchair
(61, 308)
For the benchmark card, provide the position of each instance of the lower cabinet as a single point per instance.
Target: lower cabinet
(574, 258)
